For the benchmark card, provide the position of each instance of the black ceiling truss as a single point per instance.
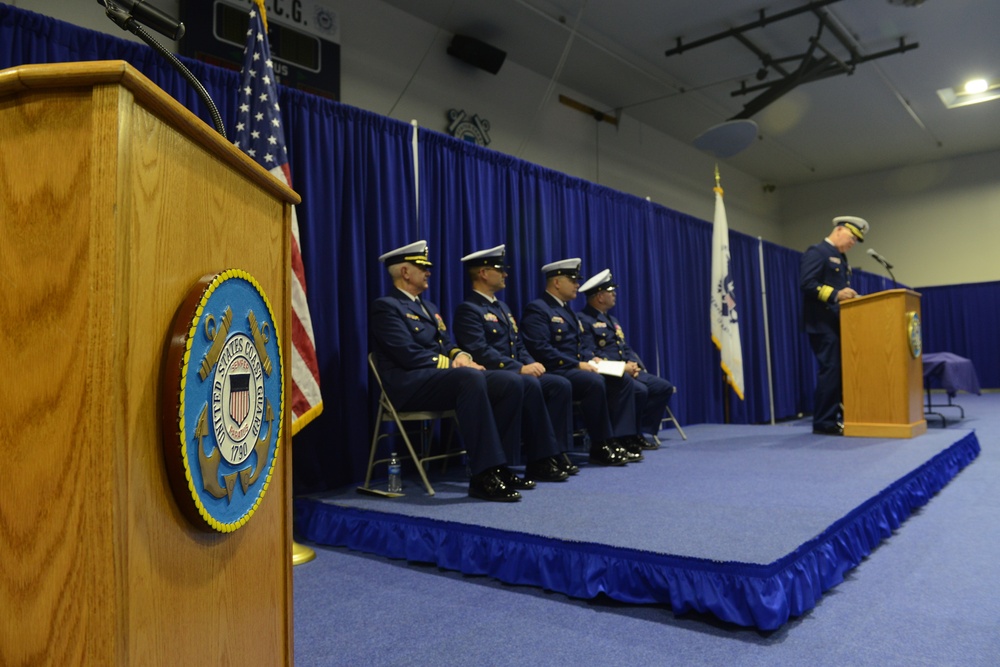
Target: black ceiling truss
(815, 63)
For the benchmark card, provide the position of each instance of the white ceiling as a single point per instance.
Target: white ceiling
(885, 114)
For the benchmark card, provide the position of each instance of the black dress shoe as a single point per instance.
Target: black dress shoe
(606, 454)
(649, 444)
(515, 482)
(836, 429)
(546, 470)
(633, 447)
(488, 485)
(567, 465)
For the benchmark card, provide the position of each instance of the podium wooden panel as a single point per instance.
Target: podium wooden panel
(114, 200)
(883, 381)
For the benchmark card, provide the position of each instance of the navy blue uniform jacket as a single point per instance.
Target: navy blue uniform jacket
(406, 339)
(554, 334)
(488, 331)
(824, 271)
(608, 337)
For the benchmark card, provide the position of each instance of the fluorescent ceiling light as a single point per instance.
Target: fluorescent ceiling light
(976, 86)
(973, 92)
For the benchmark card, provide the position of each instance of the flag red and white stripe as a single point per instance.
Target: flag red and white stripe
(259, 133)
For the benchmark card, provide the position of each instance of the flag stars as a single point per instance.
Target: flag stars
(259, 123)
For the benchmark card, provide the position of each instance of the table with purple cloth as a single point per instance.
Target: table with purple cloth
(951, 373)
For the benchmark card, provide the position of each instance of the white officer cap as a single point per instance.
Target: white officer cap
(493, 257)
(564, 267)
(600, 282)
(415, 253)
(858, 226)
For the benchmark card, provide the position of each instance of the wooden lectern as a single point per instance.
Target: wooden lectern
(882, 369)
(114, 201)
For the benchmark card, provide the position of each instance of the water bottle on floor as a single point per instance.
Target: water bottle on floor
(395, 474)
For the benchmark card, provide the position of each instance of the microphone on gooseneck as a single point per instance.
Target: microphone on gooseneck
(884, 262)
(879, 258)
(131, 15)
(147, 15)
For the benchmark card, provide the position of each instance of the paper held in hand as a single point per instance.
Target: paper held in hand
(608, 367)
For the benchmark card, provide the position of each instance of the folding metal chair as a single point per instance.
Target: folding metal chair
(670, 419)
(388, 413)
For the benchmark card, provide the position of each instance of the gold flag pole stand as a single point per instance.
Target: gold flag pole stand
(301, 554)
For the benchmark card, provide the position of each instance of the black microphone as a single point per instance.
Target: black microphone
(879, 258)
(147, 15)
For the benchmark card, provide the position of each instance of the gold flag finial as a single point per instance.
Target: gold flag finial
(263, 12)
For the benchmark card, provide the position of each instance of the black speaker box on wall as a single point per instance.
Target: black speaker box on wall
(476, 53)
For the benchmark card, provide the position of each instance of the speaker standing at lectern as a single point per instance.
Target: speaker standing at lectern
(825, 280)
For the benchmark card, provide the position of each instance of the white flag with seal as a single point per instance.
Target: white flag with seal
(725, 320)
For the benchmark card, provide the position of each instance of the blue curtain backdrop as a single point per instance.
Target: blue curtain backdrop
(964, 320)
(354, 171)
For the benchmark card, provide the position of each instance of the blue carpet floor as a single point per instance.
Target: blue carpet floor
(924, 598)
(750, 524)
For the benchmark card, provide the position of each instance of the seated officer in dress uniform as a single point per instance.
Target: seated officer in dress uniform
(423, 370)
(553, 335)
(485, 328)
(607, 340)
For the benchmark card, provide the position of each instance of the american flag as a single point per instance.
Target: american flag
(260, 134)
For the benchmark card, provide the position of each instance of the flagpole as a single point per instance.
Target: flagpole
(269, 151)
(767, 331)
(416, 174)
(726, 418)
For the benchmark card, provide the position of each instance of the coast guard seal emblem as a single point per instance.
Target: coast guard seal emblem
(914, 334)
(223, 401)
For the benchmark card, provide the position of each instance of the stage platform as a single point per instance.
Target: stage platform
(751, 524)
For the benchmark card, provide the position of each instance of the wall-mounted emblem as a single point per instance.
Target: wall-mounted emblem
(223, 400)
(475, 130)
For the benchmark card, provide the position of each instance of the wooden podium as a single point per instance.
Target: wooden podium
(114, 201)
(883, 379)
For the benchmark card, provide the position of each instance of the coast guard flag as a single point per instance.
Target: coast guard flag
(260, 135)
(725, 323)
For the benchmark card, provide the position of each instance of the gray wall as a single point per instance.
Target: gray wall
(938, 222)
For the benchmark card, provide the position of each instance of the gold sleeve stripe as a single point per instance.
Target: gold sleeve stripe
(442, 361)
(825, 292)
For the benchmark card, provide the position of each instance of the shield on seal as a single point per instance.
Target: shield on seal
(239, 397)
